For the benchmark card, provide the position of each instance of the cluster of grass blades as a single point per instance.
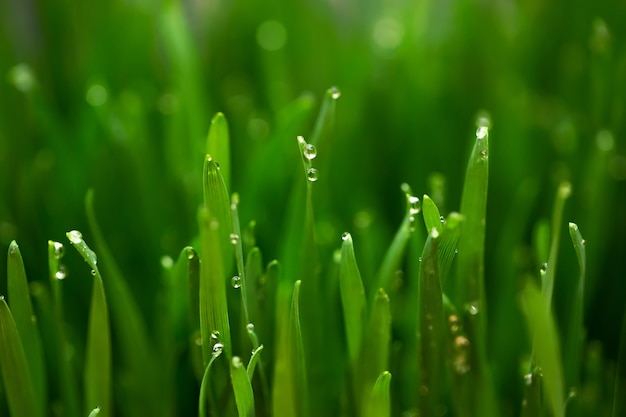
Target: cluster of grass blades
(303, 335)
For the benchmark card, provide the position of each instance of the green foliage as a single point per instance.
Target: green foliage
(262, 313)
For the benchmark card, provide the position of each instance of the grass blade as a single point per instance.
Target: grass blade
(574, 339)
(448, 243)
(236, 241)
(564, 191)
(256, 355)
(431, 331)
(326, 117)
(98, 386)
(532, 403)
(218, 145)
(469, 290)
(396, 250)
(542, 328)
(215, 224)
(352, 298)
(378, 404)
(244, 396)
(376, 345)
(205, 385)
(16, 376)
(26, 323)
(94, 412)
(432, 217)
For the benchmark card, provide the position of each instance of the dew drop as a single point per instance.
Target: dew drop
(215, 335)
(309, 152)
(312, 175)
(544, 267)
(61, 272)
(301, 140)
(218, 348)
(460, 362)
(75, 237)
(482, 132)
(167, 262)
(484, 155)
(583, 242)
(414, 205)
(346, 236)
(472, 308)
(234, 238)
(250, 327)
(191, 254)
(334, 92)
(236, 282)
(93, 272)
(528, 379)
(59, 250)
(442, 220)
(237, 362)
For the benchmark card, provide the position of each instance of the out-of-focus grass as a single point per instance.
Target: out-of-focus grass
(84, 105)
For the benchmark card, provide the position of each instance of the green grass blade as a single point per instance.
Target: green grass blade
(98, 385)
(448, 243)
(542, 328)
(469, 290)
(564, 191)
(205, 385)
(25, 320)
(289, 392)
(242, 387)
(395, 252)
(326, 117)
(254, 271)
(432, 217)
(254, 359)
(376, 345)
(619, 391)
(215, 225)
(218, 145)
(240, 281)
(94, 412)
(138, 363)
(431, 330)
(575, 335)
(20, 391)
(352, 298)
(379, 404)
(532, 405)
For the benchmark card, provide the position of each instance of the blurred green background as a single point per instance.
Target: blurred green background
(118, 96)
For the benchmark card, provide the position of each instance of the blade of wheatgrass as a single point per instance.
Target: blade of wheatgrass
(138, 363)
(218, 145)
(352, 298)
(236, 241)
(58, 356)
(374, 357)
(98, 384)
(326, 116)
(254, 359)
(26, 322)
(431, 330)
(619, 392)
(205, 385)
(244, 397)
(254, 271)
(215, 224)
(19, 388)
(94, 412)
(448, 243)
(469, 290)
(378, 404)
(564, 191)
(432, 217)
(395, 253)
(289, 392)
(574, 339)
(542, 328)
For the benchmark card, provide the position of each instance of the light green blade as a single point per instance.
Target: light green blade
(395, 252)
(352, 298)
(542, 328)
(575, 334)
(326, 116)
(218, 145)
(205, 386)
(256, 355)
(431, 330)
(26, 322)
(94, 412)
(98, 384)
(20, 391)
(378, 404)
(215, 226)
(432, 217)
(448, 243)
(242, 387)
(469, 289)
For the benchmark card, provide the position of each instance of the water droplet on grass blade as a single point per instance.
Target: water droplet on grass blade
(59, 250)
(236, 282)
(528, 379)
(61, 272)
(544, 267)
(250, 327)
(334, 92)
(414, 205)
(484, 155)
(346, 236)
(217, 349)
(75, 237)
(472, 308)
(482, 132)
(215, 335)
(309, 152)
(234, 238)
(312, 175)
